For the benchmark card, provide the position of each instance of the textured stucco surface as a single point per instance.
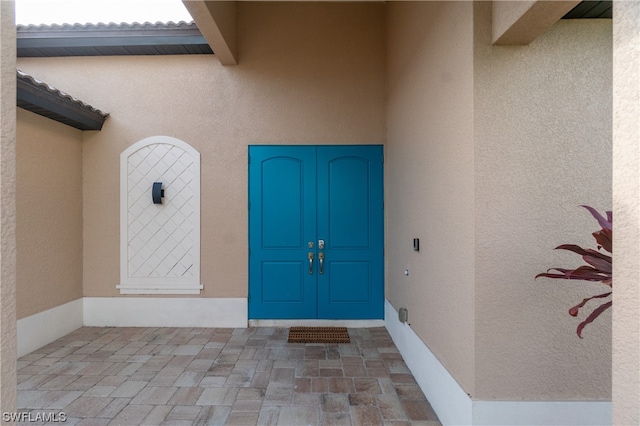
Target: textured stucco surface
(542, 148)
(8, 379)
(490, 151)
(48, 213)
(309, 74)
(430, 174)
(626, 203)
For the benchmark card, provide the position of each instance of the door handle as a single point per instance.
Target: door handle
(321, 258)
(310, 263)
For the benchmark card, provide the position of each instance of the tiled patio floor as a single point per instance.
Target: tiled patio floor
(185, 376)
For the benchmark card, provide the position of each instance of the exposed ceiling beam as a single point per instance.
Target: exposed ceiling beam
(521, 22)
(217, 23)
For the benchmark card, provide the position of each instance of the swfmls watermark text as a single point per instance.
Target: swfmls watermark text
(36, 416)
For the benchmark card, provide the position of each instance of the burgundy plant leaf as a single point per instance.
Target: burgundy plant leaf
(574, 311)
(588, 273)
(583, 252)
(549, 275)
(595, 314)
(598, 268)
(603, 265)
(604, 223)
(563, 273)
(585, 273)
(604, 238)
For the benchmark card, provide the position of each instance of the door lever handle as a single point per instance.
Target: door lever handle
(321, 258)
(310, 263)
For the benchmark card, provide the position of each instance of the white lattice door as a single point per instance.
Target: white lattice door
(160, 243)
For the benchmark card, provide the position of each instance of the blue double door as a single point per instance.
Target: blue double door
(316, 232)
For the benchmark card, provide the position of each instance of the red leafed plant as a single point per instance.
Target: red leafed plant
(598, 268)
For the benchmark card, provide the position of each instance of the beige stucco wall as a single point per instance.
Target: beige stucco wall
(48, 213)
(542, 148)
(7, 207)
(490, 150)
(430, 176)
(308, 74)
(626, 202)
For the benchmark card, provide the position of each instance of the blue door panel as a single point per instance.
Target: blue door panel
(302, 194)
(348, 204)
(351, 282)
(283, 207)
(282, 214)
(351, 220)
(289, 282)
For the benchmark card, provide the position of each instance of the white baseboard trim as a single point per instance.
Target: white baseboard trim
(38, 330)
(524, 413)
(317, 323)
(455, 407)
(450, 402)
(165, 312)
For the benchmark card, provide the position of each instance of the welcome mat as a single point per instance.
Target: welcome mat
(318, 335)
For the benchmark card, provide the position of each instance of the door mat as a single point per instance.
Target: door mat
(318, 335)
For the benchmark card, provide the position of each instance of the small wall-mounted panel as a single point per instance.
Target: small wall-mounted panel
(160, 242)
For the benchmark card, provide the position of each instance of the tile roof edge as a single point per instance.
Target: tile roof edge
(106, 26)
(35, 82)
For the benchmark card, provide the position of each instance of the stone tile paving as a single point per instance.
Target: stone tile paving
(201, 376)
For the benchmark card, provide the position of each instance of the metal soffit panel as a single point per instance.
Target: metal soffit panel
(182, 38)
(40, 98)
(591, 10)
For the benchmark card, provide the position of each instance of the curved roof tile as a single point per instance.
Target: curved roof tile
(34, 81)
(37, 96)
(160, 38)
(110, 26)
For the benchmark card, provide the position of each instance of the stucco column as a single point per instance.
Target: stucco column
(7, 207)
(626, 206)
